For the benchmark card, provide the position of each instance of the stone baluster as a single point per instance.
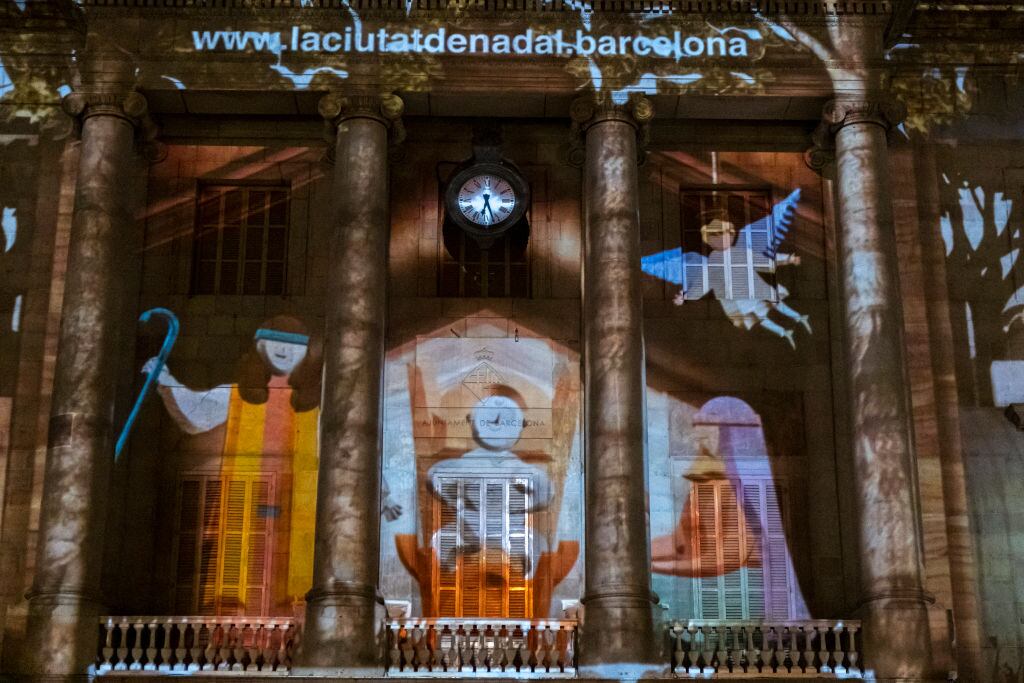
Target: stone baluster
(853, 654)
(489, 648)
(107, 650)
(185, 650)
(422, 645)
(151, 649)
(209, 652)
(395, 641)
(341, 624)
(122, 647)
(721, 632)
(824, 665)
(168, 655)
(619, 627)
(809, 634)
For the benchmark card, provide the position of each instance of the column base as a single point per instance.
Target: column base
(61, 637)
(618, 638)
(896, 639)
(342, 633)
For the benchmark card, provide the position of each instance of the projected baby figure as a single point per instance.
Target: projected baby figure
(489, 488)
(735, 266)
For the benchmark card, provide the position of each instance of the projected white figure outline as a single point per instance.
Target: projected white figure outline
(745, 313)
(497, 423)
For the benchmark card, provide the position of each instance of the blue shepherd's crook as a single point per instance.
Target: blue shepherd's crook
(165, 350)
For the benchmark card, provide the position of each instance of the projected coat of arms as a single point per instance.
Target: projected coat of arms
(494, 427)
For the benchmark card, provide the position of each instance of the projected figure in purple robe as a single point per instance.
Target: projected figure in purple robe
(699, 267)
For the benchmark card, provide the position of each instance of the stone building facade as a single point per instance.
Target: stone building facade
(727, 379)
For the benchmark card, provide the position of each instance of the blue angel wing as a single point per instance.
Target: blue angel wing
(782, 220)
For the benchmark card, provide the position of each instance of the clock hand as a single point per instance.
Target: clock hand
(487, 204)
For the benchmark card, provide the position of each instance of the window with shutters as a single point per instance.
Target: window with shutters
(468, 270)
(223, 542)
(740, 536)
(241, 239)
(482, 547)
(727, 237)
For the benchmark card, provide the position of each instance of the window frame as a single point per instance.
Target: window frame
(245, 186)
(752, 269)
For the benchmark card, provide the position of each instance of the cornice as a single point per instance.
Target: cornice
(610, 8)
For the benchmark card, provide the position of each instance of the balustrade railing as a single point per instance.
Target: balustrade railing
(765, 648)
(251, 645)
(474, 646)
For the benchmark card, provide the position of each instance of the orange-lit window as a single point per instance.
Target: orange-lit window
(727, 243)
(482, 553)
(241, 240)
(223, 543)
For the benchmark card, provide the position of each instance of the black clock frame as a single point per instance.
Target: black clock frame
(502, 170)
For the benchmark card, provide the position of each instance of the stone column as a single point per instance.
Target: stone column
(893, 603)
(64, 602)
(340, 633)
(618, 627)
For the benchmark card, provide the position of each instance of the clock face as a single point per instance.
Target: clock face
(486, 199)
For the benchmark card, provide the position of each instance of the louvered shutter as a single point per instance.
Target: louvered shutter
(210, 547)
(518, 549)
(447, 547)
(707, 542)
(469, 547)
(482, 547)
(223, 537)
(727, 530)
(187, 547)
(258, 545)
(753, 504)
(779, 572)
(731, 544)
(494, 549)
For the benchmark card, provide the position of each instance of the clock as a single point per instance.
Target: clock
(486, 199)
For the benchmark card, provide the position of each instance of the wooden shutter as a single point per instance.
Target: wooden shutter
(187, 547)
(518, 548)
(482, 547)
(222, 564)
(728, 529)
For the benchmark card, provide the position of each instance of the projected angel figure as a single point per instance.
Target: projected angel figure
(751, 304)
(497, 423)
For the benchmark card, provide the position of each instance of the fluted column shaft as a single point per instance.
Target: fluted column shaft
(340, 626)
(893, 601)
(65, 598)
(618, 626)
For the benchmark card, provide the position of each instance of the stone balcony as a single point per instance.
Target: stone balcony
(260, 647)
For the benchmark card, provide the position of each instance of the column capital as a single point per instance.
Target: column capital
(129, 105)
(336, 107)
(589, 110)
(880, 110)
(386, 109)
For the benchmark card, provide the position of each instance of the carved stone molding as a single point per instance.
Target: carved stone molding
(129, 105)
(387, 109)
(884, 112)
(587, 111)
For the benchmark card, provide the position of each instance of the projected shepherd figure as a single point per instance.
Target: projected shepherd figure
(269, 414)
